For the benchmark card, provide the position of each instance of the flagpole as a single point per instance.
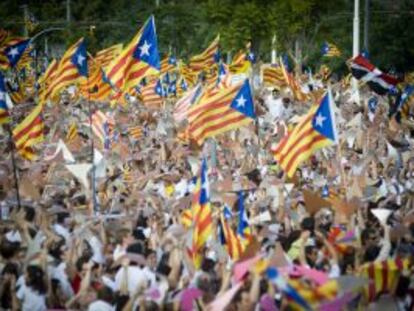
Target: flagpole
(16, 181)
(94, 205)
(355, 44)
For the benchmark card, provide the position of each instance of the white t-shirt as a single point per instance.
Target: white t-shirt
(31, 300)
(59, 273)
(119, 251)
(100, 305)
(150, 275)
(62, 231)
(276, 108)
(135, 277)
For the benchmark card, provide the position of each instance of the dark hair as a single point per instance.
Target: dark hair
(9, 249)
(106, 294)
(11, 268)
(371, 253)
(308, 223)
(308, 250)
(287, 243)
(347, 261)
(207, 265)
(136, 248)
(139, 234)
(56, 250)
(30, 213)
(35, 279)
(163, 267)
(81, 261)
(120, 302)
(60, 217)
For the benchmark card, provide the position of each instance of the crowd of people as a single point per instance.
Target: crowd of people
(339, 235)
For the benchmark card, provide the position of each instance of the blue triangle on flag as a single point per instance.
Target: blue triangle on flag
(184, 85)
(159, 89)
(80, 59)
(325, 48)
(147, 47)
(372, 104)
(323, 120)
(227, 212)
(217, 56)
(3, 105)
(243, 101)
(325, 191)
(172, 61)
(15, 52)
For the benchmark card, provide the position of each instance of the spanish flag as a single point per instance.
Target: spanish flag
(29, 133)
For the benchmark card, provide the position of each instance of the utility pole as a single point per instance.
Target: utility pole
(68, 11)
(25, 8)
(274, 51)
(355, 47)
(366, 25)
(157, 3)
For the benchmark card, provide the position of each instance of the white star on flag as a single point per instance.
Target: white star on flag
(205, 187)
(2, 96)
(81, 58)
(145, 48)
(14, 52)
(319, 120)
(241, 101)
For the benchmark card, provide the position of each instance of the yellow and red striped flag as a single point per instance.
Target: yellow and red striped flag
(135, 132)
(98, 87)
(152, 94)
(242, 61)
(207, 58)
(7, 43)
(187, 218)
(226, 110)
(72, 132)
(127, 175)
(139, 59)
(104, 57)
(69, 70)
(383, 276)
(228, 237)
(186, 72)
(203, 219)
(293, 83)
(330, 50)
(316, 130)
(168, 64)
(273, 77)
(29, 133)
(49, 74)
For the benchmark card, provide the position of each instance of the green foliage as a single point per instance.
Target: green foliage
(185, 27)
